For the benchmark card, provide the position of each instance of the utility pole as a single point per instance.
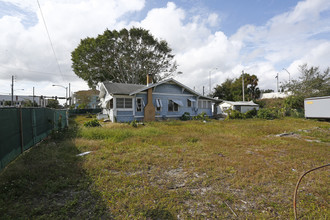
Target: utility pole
(210, 79)
(243, 84)
(33, 97)
(277, 82)
(203, 90)
(12, 91)
(69, 94)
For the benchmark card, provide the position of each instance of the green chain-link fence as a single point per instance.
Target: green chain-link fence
(84, 111)
(21, 128)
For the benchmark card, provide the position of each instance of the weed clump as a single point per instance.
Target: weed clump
(202, 117)
(234, 114)
(266, 113)
(185, 116)
(92, 123)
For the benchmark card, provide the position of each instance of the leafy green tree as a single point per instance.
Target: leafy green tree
(29, 103)
(84, 97)
(311, 82)
(125, 56)
(224, 91)
(231, 89)
(52, 103)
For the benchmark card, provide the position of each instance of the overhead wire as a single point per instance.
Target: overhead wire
(51, 43)
(29, 70)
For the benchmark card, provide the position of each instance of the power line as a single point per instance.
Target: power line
(29, 70)
(51, 43)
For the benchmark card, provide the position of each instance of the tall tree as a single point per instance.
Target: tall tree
(224, 91)
(52, 103)
(84, 97)
(231, 89)
(311, 82)
(125, 56)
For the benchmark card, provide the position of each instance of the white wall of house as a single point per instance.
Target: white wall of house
(248, 108)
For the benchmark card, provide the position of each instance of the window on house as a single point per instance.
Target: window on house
(200, 104)
(188, 103)
(172, 106)
(204, 104)
(138, 104)
(128, 103)
(124, 102)
(159, 105)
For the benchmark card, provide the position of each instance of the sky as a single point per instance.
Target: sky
(212, 40)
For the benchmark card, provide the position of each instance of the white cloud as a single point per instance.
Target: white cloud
(28, 48)
(197, 49)
(286, 40)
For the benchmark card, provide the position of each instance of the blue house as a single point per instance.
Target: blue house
(154, 101)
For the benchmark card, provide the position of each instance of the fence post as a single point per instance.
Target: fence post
(67, 117)
(34, 124)
(21, 129)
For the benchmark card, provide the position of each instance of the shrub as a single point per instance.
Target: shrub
(185, 116)
(250, 114)
(294, 102)
(234, 114)
(202, 116)
(92, 123)
(266, 113)
(134, 124)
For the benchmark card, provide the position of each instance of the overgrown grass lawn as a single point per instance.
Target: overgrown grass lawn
(173, 170)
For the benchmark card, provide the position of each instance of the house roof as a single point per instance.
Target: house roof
(132, 89)
(121, 88)
(250, 103)
(173, 81)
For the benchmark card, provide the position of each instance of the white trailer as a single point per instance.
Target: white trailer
(317, 107)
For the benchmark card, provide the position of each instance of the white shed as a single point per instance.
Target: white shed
(239, 106)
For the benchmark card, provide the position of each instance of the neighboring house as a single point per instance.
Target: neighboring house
(20, 100)
(274, 95)
(239, 106)
(86, 99)
(154, 101)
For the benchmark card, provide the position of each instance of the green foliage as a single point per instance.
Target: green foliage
(185, 116)
(28, 103)
(52, 103)
(134, 123)
(7, 103)
(294, 102)
(234, 114)
(82, 106)
(201, 117)
(267, 113)
(92, 123)
(84, 97)
(231, 89)
(122, 56)
(311, 82)
(250, 114)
